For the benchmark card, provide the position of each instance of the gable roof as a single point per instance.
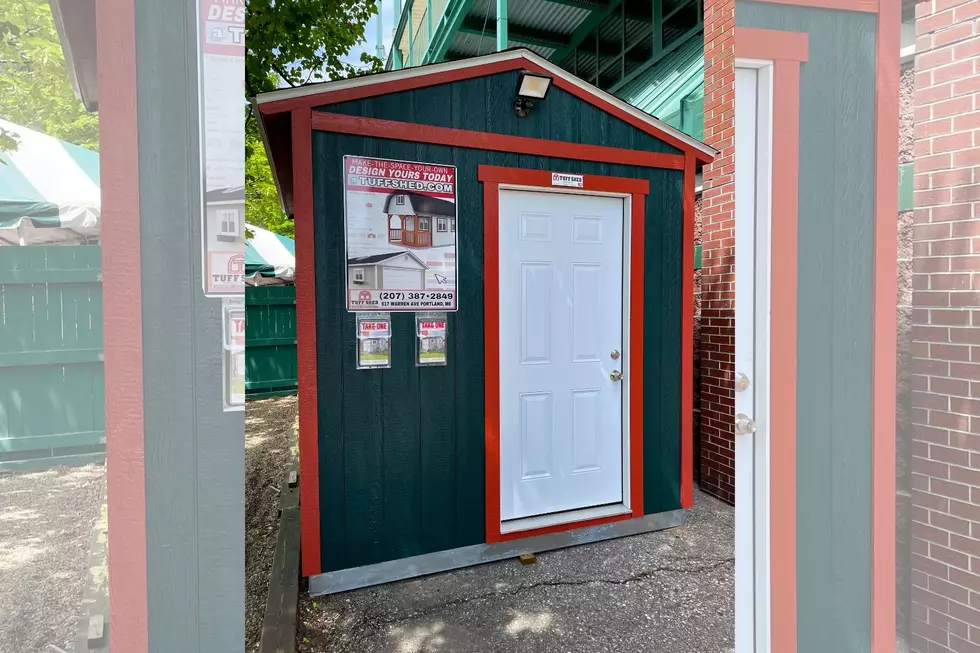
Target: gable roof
(422, 204)
(275, 107)
(343, 90)
(376, 259)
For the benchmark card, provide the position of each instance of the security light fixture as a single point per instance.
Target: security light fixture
(530, 87)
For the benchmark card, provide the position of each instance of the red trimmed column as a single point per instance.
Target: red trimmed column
(945, 379)
(717, 334)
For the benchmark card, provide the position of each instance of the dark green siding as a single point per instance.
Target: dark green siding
(836, 231)
(561, 116)
(402, 449)
(270, 341)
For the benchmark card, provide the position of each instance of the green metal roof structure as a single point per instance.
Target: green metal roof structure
(648, 52)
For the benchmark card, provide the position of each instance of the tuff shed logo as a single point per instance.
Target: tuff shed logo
(226, 271)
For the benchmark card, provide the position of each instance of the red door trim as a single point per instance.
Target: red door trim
(309, 469)
(416, 133)
(787, 50)
(493, 177)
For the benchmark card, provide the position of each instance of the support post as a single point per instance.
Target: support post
(428, 27)
(396, 51)
(379, 47)
(657, 27)
(501, 25)
(410, 26)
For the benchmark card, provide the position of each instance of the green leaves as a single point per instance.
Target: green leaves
(291, 43)
(35, 90)
(302, 41)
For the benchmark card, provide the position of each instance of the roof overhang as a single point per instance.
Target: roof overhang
(75, 22)
(274, 108)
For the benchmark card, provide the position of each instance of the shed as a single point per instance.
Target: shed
(563, 414)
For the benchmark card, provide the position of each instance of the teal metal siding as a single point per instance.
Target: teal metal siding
(270, 341)
(836, 231)
(51, 378)
(402, 450)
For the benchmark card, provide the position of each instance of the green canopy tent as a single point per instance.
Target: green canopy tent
(269, 258)
(49, 191)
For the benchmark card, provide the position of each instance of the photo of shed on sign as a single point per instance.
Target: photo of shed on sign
(400, 235)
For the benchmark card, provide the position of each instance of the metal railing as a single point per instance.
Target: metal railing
(415, 32)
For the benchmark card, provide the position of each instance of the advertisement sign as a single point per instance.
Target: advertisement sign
(222, 33)
(373, 340)
(431, 345)
(400, 234)
(233, 325)
(233, 354)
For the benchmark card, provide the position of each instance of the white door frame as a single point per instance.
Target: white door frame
(571, 516)
(753, 307)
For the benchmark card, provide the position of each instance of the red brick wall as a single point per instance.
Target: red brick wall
(945, 379)
(718, 242)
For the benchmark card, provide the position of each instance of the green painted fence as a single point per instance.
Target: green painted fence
(51, 373)
(270, 341)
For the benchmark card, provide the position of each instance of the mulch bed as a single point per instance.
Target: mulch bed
(269, 435)
(46, 521)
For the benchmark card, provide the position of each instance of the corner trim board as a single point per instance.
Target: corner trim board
(885, 323)
(786, 50)
(309, 479)
(123, 325)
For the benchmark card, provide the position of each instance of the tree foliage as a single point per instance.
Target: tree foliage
(34, 87)
(291, 43)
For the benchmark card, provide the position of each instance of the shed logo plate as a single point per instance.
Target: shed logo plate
(563, 179)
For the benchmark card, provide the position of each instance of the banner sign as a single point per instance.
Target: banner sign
(222, 89)
(400, 235)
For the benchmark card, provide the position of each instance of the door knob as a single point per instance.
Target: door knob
(744, 425)
(741, 382)
(616, 375)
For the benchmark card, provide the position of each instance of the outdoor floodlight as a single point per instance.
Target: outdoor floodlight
(530, 87)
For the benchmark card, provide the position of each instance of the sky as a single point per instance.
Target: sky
(370, 33)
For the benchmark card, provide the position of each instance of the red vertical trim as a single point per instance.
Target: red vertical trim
(491, 330)
(885, 338)
(635, 351)
(787, 50)
(122, 324)
(309, 467)
(687, 338)
(492, 177)
(783, 334)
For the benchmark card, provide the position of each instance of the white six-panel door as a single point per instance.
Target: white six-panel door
(561, 337)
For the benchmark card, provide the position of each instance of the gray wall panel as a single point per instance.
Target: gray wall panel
(194, 451)
(836, 220)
